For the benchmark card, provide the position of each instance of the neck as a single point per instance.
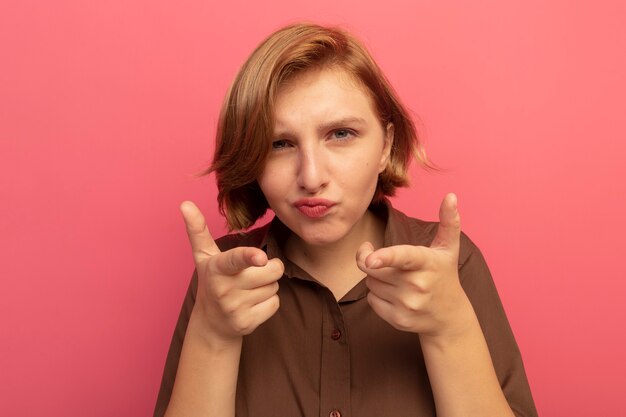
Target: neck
(337, 259)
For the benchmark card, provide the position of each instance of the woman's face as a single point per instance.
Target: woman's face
(329, 147)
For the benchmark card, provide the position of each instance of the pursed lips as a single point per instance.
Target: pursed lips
(314, 207)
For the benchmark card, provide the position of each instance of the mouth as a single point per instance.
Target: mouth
(314, 207)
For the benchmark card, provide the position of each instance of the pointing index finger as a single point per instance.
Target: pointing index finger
(236, 260)
(202, 243)
(402, 257)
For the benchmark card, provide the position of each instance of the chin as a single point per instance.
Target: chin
(320, 236)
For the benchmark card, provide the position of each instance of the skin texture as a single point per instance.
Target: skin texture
(238, 289)
(330, 145)
(236, 292)
(415, 288)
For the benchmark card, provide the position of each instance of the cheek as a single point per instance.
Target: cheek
(361, 175)
(274, 180)
(265, 183)
(268, 186)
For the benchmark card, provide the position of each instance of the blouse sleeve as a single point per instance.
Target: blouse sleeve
(507, 360)
(225, 243)
(171, 363)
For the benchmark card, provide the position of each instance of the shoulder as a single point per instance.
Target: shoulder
(254, 238)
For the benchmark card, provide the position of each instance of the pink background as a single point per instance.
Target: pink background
(108, 109)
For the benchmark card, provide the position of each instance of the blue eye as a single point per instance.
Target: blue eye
(342, 134)
(280, 144)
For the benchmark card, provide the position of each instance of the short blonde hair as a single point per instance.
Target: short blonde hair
(246, 123)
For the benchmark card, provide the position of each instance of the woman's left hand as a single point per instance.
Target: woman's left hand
(417, 288)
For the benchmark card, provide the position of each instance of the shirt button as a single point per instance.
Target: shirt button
(335, 413)
(335, 335)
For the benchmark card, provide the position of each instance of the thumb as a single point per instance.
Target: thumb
(449, 229)
(202, 243)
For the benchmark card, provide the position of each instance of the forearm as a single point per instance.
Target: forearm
(461, 372)
(206, 380)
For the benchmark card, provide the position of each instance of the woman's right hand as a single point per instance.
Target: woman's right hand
(237, 289)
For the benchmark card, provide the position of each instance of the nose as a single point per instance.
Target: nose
(312, 170)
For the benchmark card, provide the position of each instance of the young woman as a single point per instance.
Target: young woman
(342, 305)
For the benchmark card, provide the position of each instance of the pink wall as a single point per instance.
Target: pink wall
(107, 109)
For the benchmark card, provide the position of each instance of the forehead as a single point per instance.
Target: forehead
(322, 93)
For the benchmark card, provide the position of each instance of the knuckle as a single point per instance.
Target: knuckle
(232, 263)
(406, 264)
(412, 303)
(273, 306)
(421, 284)
(400, 320)
(242, 325)
(406, 261)
(276, 302)
(238, 327)
(230, 307)
(425, 285)
(220, 291)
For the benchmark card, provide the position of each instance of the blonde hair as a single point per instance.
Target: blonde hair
(246, 123)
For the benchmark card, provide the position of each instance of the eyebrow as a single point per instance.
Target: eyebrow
(333, 124)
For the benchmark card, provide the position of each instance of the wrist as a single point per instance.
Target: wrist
(459, 324)
(200, 330)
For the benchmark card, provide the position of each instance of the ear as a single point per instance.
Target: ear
(384, 159)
